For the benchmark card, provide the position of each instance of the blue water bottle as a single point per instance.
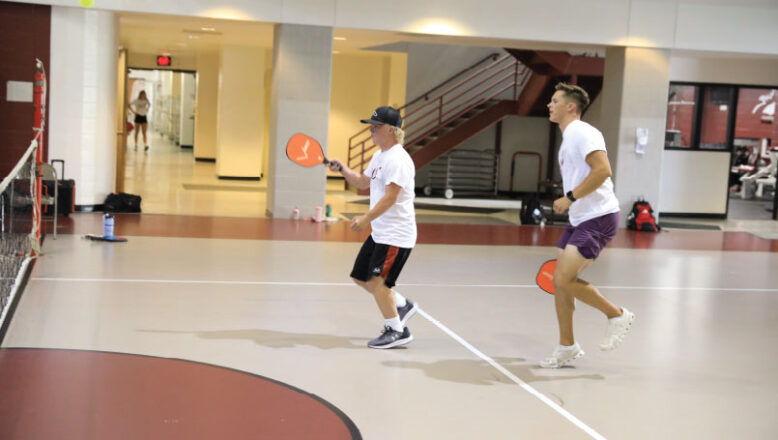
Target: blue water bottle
(107, 225)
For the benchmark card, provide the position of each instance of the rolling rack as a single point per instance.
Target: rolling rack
(464, 172)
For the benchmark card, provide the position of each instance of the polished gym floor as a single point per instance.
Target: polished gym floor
(205, 327)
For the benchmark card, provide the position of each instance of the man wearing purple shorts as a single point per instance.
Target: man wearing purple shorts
(594, 219)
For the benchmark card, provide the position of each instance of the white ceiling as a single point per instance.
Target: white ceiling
(184, 36)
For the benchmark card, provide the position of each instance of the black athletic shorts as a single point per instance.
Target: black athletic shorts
(140, 119)
(379, 260)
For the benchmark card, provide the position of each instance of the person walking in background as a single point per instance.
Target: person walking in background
(140, 108)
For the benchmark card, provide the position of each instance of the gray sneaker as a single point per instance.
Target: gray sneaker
(406, 312)
(391, 338)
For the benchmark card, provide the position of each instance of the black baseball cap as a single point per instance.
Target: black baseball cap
(385, 115)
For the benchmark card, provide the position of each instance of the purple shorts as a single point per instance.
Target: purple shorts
(591, 236)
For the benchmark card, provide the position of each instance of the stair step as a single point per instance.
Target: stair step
(456, 122)
(486, 104)
(427, 141)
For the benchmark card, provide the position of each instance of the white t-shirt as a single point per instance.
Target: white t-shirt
(578, 140)
(141, 107)
(396, 226)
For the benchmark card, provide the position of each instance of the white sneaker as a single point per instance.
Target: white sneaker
(617, 330)
(562, 356)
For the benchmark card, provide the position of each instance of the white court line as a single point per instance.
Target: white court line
(573, 419)
(298, 283)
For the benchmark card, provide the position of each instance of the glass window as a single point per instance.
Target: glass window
(756, 110)
(681, 108)
(716, 108)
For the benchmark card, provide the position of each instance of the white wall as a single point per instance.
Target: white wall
(724, 28)
(431, 64)
(186, 129)
(240, 122)
(731, 25)
(694, 182)
(82, 100)
(528, 134)
(524, 134)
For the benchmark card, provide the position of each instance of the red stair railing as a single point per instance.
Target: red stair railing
(429, 115)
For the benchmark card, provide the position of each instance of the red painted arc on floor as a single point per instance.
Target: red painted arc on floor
(75, 394)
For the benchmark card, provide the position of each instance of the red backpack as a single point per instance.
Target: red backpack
(642, 217)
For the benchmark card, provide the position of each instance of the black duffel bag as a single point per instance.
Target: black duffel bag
(122, 202)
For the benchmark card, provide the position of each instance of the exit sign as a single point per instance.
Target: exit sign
(164, 60)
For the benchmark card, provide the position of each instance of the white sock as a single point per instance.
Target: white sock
(394, 323)
(618, 318)
(399, 300)
(568, 347)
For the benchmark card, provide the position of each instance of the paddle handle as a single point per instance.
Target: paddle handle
(327, 162)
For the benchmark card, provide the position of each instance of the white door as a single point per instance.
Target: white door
(188, 92)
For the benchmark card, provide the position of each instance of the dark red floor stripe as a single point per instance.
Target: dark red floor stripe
(71, 394)
(429, 233)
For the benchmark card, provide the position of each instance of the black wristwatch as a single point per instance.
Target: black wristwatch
(569, 195)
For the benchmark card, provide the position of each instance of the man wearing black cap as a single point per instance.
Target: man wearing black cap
(390, 177)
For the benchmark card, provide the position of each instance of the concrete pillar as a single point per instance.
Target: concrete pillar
(82, 88)
(299, 103)
(634, 96)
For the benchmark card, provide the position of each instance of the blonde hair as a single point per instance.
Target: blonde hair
(399, 135)
(574, 94)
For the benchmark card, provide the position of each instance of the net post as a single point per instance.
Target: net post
(39, 121)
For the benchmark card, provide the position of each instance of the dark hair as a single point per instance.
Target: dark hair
(574, 94)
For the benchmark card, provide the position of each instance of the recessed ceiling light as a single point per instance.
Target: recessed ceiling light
(340, 38)
(335, 51)
(208, 29)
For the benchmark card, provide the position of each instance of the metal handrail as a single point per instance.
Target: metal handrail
(455, 101)
(426, 95)
(445, 121)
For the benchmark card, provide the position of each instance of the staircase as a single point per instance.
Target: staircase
(453, 112)
(519, 83)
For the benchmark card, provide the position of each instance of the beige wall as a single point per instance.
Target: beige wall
(205, 106)
(724, 69)
(240, 122)
(360, 83)
(634, 78)
(397, 85)
(149, 61)
(268, 81)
